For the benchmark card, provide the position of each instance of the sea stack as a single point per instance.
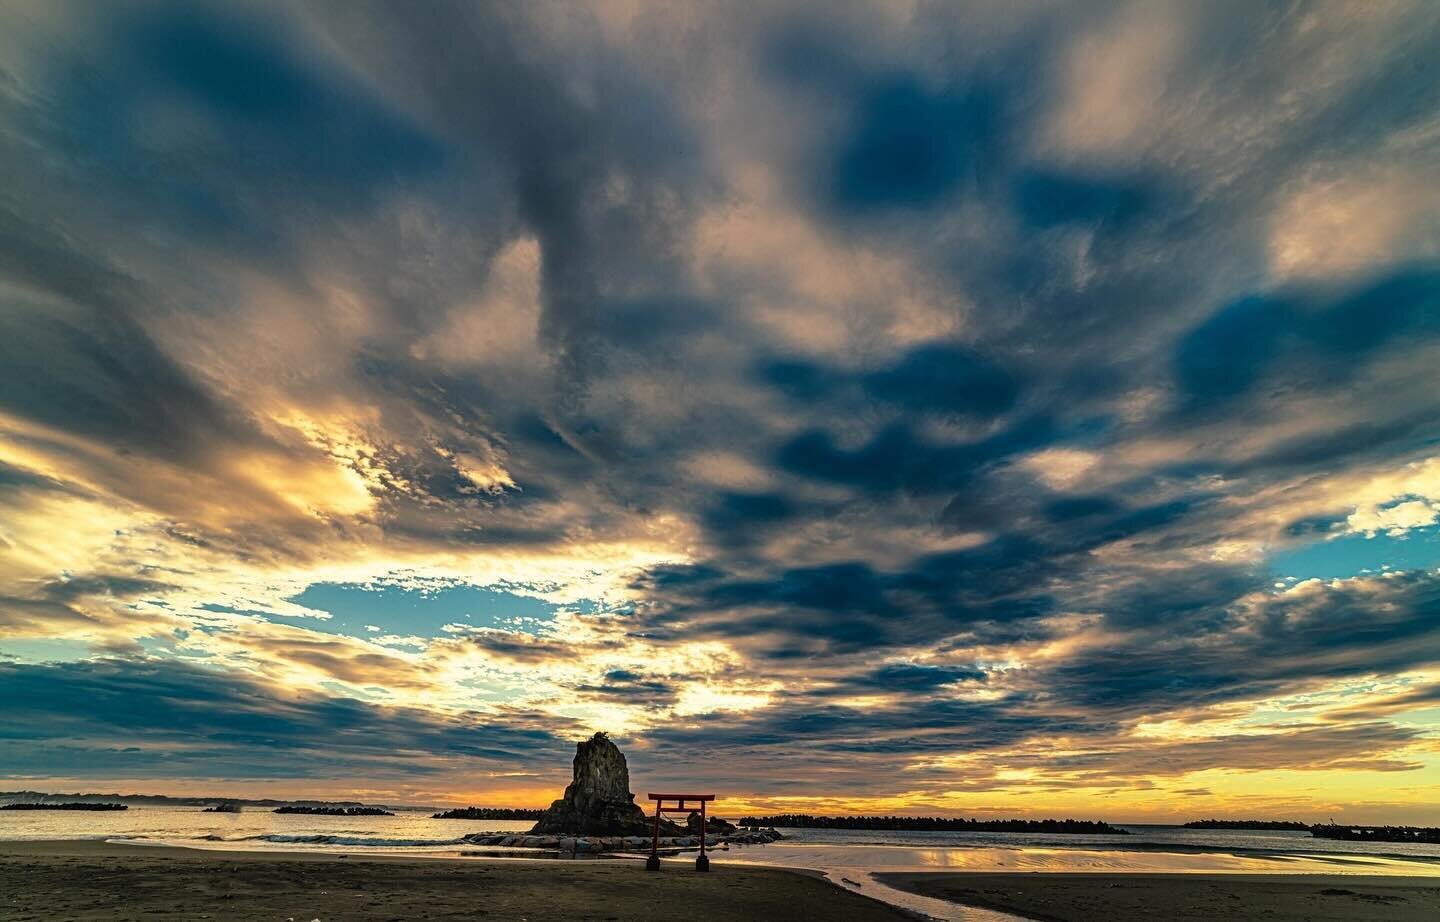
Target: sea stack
(598, 801)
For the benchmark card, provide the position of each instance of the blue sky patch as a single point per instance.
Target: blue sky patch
(357, 607)
(1355, 555)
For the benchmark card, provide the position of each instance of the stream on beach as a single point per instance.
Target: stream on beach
(846, 857)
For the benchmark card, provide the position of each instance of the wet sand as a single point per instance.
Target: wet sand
(1144, 897)
(93, 881)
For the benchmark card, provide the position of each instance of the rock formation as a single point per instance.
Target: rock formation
(714, 825)
(598, 801)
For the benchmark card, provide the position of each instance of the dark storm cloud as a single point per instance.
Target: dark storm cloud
(907, 140)
(22, 615)
(1048, 199)
(950, 131)
(1294, 748)
(19, 482)
(914, 677)
(1207, 644)
(122, 587)
(942, 378)
(297, 126)
(181, 721)
(1425, 696)
(898, 458)
(909, 147)
(625, 686)
(1315, 339)
(482, 70)
(736, 518)
(215, 125)
(85, 365)
(518, 647)
(850, 606)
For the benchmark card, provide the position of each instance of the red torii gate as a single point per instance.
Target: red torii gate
(653, 862)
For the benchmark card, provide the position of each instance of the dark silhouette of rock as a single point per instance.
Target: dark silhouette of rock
(1246, 824)
(934, 823)
(335, 811)
(714, 825)
(1429, 836)
(79, 805)
(598, 801)
(489, 813)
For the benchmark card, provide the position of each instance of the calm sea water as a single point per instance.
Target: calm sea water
(257, 828)
(413, 831)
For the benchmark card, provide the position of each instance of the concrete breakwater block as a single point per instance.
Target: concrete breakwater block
(632, 843)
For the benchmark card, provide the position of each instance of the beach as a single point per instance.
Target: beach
(181, 862)
(1144, 897)
(94, 880)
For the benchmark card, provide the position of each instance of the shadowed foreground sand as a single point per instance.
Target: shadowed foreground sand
(93, 881)
(1145, 897)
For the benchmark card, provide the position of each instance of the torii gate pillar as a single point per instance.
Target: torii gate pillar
(702, 863)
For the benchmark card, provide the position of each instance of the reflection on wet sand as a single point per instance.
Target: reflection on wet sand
(890, 857)
(855, 866)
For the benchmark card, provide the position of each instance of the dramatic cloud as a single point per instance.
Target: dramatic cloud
(1027, 403)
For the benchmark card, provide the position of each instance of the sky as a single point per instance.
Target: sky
(1021, 409)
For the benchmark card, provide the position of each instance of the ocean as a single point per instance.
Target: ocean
(848, 857)
(252, 829)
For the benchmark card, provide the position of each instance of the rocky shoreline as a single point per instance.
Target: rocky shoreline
(580, 845)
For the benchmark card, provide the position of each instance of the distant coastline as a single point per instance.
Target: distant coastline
(163, 800)
(490, 813)
(936, 823)
(1248, 824)
(1340, 831)
(81, 805)
(1416, 834)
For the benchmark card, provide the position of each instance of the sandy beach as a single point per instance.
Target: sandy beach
(95, 880)
(1144, 897)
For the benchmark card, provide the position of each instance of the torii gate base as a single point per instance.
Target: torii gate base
(653, 862)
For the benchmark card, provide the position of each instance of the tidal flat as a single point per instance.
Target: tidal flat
(88, 881)
(1121, 897)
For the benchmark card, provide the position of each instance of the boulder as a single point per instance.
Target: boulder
(482, 838)
(598, 801)
(714, 825)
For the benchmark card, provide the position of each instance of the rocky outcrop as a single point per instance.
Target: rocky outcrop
(714, 825)
(598, 801)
